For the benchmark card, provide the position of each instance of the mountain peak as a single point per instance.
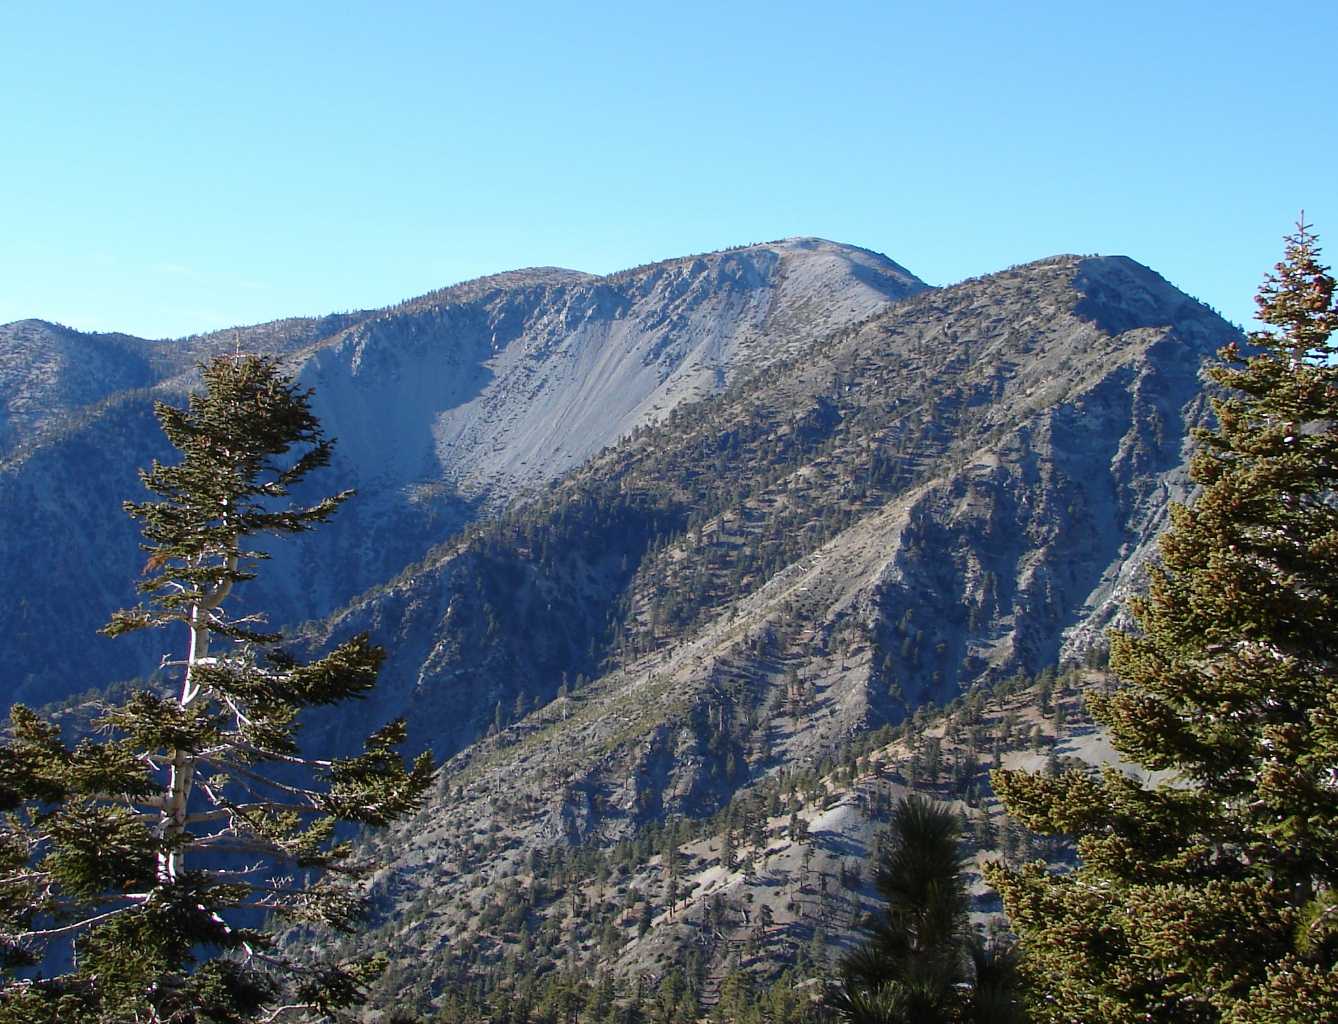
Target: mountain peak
(1121, 294)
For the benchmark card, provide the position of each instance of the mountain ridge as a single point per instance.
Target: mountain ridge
(1108, 587)
(444, 408)
(666, 553)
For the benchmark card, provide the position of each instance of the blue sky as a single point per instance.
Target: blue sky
(193, 166)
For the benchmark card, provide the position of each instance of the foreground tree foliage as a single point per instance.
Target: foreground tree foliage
(922, 962)
(1210, 896)
(137, 868)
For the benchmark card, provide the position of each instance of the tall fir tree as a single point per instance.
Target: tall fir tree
(1210, 895)
(136, 867)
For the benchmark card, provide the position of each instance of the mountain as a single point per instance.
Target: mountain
(445, 406)
(957, 489)
(962, 484)
(676, 569)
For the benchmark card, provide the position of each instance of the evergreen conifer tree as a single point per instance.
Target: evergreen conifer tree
(1209, 896)
(922, 963)
(137, 866)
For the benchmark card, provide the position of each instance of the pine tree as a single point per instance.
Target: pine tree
(141, 862)
(922, 963)
(1210, 896)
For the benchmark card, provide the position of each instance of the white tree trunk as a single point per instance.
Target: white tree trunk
(181, 778)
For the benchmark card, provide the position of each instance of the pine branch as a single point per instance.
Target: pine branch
(137, 899)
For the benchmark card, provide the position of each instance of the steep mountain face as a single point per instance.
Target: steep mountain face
(959, 486)
(444, 406)
(547, 368)
(954, 490)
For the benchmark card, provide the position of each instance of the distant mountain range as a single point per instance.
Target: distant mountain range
(644, 547)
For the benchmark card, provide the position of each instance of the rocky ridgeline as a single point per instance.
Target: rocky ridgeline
(956, 489)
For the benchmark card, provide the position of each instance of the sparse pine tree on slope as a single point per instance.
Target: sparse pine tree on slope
(922, 963)
(125, 861)
(1211, 897)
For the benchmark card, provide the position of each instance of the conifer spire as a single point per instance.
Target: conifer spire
(1210, 896)
(188, 812)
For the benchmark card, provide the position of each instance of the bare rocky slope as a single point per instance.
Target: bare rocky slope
(444, 406)
(957, 489)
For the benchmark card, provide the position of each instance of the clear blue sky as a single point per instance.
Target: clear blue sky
(199, 165)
